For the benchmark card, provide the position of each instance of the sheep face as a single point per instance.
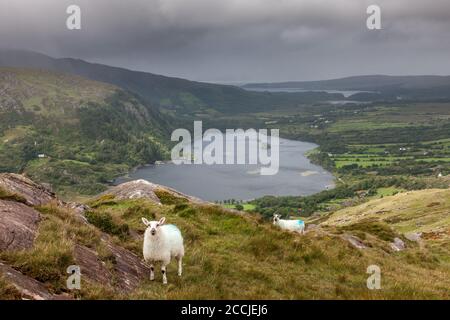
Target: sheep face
(153, 225)
(276, 218)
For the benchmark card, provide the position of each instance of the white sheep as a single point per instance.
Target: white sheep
(291, 225)
(161, 244)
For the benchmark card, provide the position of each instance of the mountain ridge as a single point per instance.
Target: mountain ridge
(379, 87)
(175, 95)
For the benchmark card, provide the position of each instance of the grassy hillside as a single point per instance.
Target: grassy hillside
(425, 211)
(85, 131)
(231, 255)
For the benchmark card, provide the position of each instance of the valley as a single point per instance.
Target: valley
(390, 160)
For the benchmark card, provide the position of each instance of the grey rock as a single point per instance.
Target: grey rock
(29, 288)
(414, 236)
(137, 189)
(354, 241)
(33, 193)
(18, 225)
(398, 245)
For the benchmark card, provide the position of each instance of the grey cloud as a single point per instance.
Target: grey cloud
(238, 40)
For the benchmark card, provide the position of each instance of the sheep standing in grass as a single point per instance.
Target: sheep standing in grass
(291, 225)
(161, 244)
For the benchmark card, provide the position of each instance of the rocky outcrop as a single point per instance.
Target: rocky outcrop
(144, 189)
(398, 244)
(129, 269)
(125, 273)
(413, 236)
(34, 194)
(354, 241)
(135, 190)
(29, 288)
(18, 225)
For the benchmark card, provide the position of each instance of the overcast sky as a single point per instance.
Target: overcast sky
(238, 40)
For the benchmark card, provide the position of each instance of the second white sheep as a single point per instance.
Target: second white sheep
(291, 225)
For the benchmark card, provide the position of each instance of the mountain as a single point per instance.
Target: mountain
(179, 96)
(229, 255)
(381, 86)
(73, 132)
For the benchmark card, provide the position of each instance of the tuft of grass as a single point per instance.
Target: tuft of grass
(104, 200)
(50, 256)
(105, 222)
(8, 291)
(169, 198)
(379, 229)
(6, 195)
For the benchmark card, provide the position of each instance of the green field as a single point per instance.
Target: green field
(247, 206)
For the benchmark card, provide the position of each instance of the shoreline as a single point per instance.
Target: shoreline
(310, 146)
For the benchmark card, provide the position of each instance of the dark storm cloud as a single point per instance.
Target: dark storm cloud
(238, 40)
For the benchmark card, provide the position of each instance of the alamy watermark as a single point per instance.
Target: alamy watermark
(236, 146)
(74, 280)
(374, 280)
(73, 21)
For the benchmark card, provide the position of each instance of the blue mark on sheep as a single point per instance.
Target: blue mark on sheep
(301, 223)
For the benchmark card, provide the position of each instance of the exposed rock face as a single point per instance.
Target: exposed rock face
(91, 266)
(413, 236)
(28, 287)
(18, 225)
(134, 190)
(144, 189)
(354, 241)
(33, 193)
(128, 269)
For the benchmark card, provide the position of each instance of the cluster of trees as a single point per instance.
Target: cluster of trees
(229, 201)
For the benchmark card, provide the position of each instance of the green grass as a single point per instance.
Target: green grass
(247, 206)
(6, 195)
(364, 124)
(8, 291)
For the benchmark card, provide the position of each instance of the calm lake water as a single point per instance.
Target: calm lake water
(345, 93)
(296, 176)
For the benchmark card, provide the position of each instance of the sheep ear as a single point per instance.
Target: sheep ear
(161, 221)
(145, 221)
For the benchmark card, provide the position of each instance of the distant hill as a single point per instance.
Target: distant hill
(177, 95)
(408, 87)
(74, 132)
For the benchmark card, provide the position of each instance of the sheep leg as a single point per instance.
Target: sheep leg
(152, 272)
(180, 266)
(163, 271)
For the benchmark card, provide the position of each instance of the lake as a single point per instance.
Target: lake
(345, 93)
(296, 176)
